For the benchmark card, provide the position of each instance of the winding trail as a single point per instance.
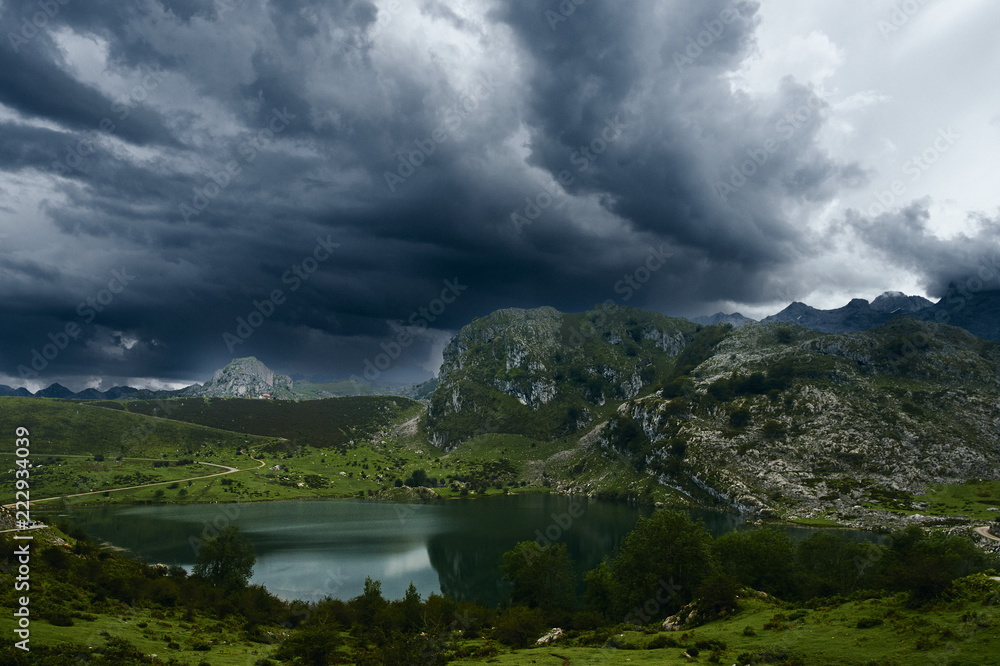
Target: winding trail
(984, 531)
(228, 470)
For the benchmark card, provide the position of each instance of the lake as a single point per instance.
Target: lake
(312, 549)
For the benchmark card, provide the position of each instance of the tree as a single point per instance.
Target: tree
(661, 561)
(764, 559)
(925, 564)
(227, 560)
(370, 603)
(411, 609)
(542, 576)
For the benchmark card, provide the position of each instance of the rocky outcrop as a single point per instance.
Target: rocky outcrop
(865, 422)
(541, 372)
(243, 378)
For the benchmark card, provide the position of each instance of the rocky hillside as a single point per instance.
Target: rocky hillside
(546, 374)
(782, 420)
(243, 378)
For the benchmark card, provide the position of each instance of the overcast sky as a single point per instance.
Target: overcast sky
(369, 176)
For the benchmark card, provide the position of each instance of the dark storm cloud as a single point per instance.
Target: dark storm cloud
(685, 132)
(275, 124)
(904, 237)
(35, 82)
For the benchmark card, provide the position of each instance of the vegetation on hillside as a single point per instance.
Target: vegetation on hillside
(325, 423)
(544, 374)
(747, 598)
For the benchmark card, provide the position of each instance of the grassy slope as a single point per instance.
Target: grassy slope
(963, 632)
(319, 423)
(59, 427)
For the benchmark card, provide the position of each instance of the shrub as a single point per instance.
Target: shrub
(518, 626)
(868, 622)
(740, 418)
(662, 641)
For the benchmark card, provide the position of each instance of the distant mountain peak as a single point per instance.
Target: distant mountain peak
(56, 390)
(244, 377)
(736, 319)
(897, 301)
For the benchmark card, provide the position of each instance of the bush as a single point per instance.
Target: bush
(773, 429)
(60, 619)
(518, 626)
(661, 642)
(541, 576)
(740, 418)
(717, 596)
(868, 622)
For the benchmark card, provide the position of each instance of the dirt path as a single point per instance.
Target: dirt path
(228, 470)
(983, 530)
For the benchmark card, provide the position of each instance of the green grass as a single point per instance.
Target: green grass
(819, 522)
(67, 475)
(972, 498)
(960, 632)
(57, 427)
(228, 646)
(331, 422)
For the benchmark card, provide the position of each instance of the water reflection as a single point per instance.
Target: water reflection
(309, 550)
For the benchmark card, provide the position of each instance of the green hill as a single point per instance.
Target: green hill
(325, 423)
(61, 427)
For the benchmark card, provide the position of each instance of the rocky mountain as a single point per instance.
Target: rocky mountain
(544, 373)
(977, 312)
(770, 419)
(897, 303)
(736, 319)
(54, 391)
(858, 315)
(781, 420)
(243, 378)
